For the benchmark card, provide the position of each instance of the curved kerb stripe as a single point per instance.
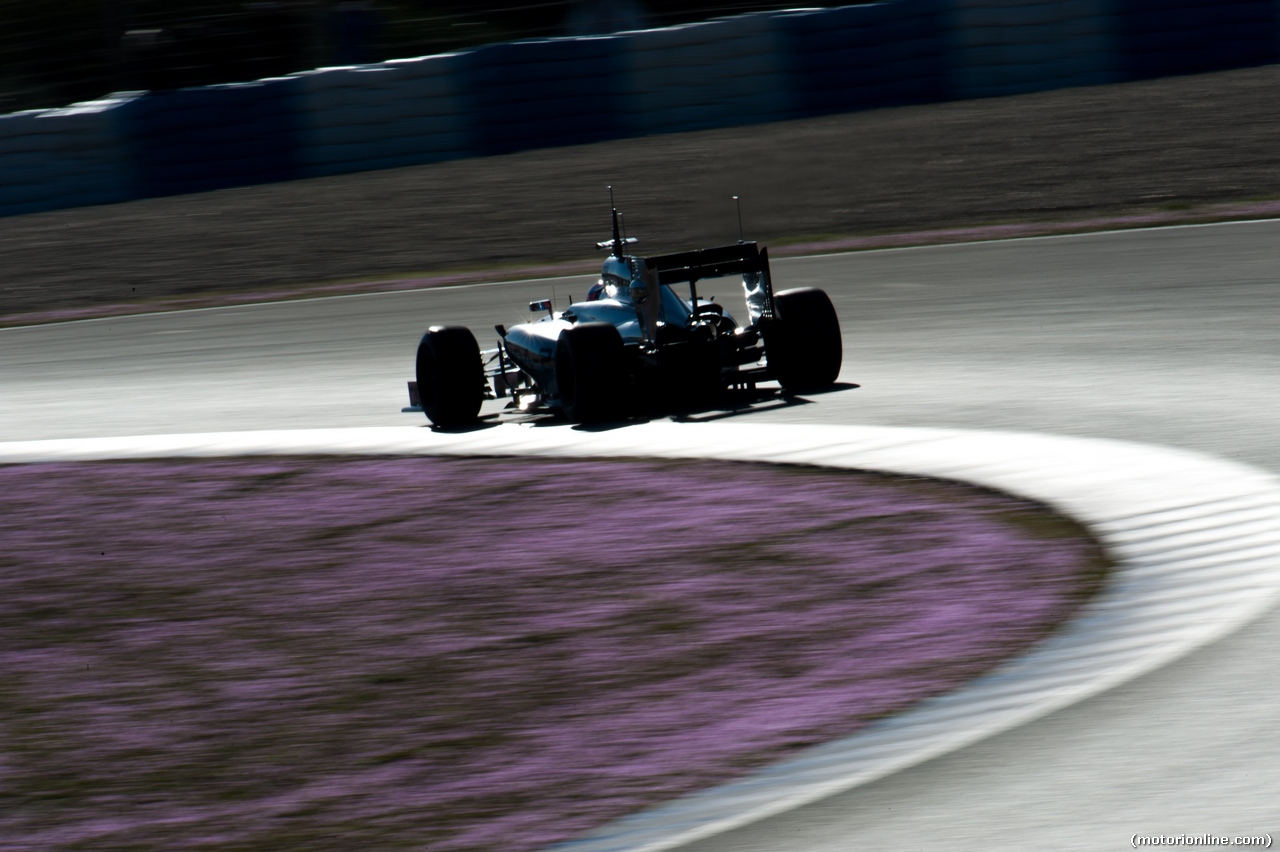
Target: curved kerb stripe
(1196, 541)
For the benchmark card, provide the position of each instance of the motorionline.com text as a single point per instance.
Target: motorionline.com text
(1263, 840)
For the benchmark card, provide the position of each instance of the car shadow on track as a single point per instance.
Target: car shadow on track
(738, 404)
(485, 421)
(771, 400)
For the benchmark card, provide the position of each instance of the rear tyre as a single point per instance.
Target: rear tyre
(802, 342)
(450, 376)
(590, 372)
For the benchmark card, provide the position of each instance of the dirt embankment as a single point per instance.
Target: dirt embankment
(1181, 147)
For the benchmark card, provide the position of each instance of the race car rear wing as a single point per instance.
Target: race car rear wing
(743, 258)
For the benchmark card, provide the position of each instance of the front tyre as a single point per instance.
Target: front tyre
(450, 376)
(590, 372)
(802, 342)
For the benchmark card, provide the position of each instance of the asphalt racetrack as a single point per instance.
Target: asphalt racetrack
(1163, 336)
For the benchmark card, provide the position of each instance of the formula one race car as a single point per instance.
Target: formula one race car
(635, 344)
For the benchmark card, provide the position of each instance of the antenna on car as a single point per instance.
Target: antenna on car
(617, 242)
(617, 236)
(738, 202)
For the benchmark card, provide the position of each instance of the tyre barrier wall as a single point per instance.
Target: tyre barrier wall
(64, 157)
(398, 113)
(522, 95)
(541, 94)
(212, 137)
(864, 57)
(1006, 47)
(699, 76)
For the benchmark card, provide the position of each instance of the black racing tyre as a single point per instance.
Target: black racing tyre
(590, 372)
(450, 376)
(802, 343)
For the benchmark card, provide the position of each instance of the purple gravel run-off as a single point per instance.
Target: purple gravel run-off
(468, 654)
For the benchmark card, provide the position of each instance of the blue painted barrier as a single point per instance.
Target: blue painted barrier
(552, 92)
(1004, 47)
(697, 76)
(57, 158)
(539, 94)
(194, 140)
(399, 113)
(1162, 37)
(865, 57)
